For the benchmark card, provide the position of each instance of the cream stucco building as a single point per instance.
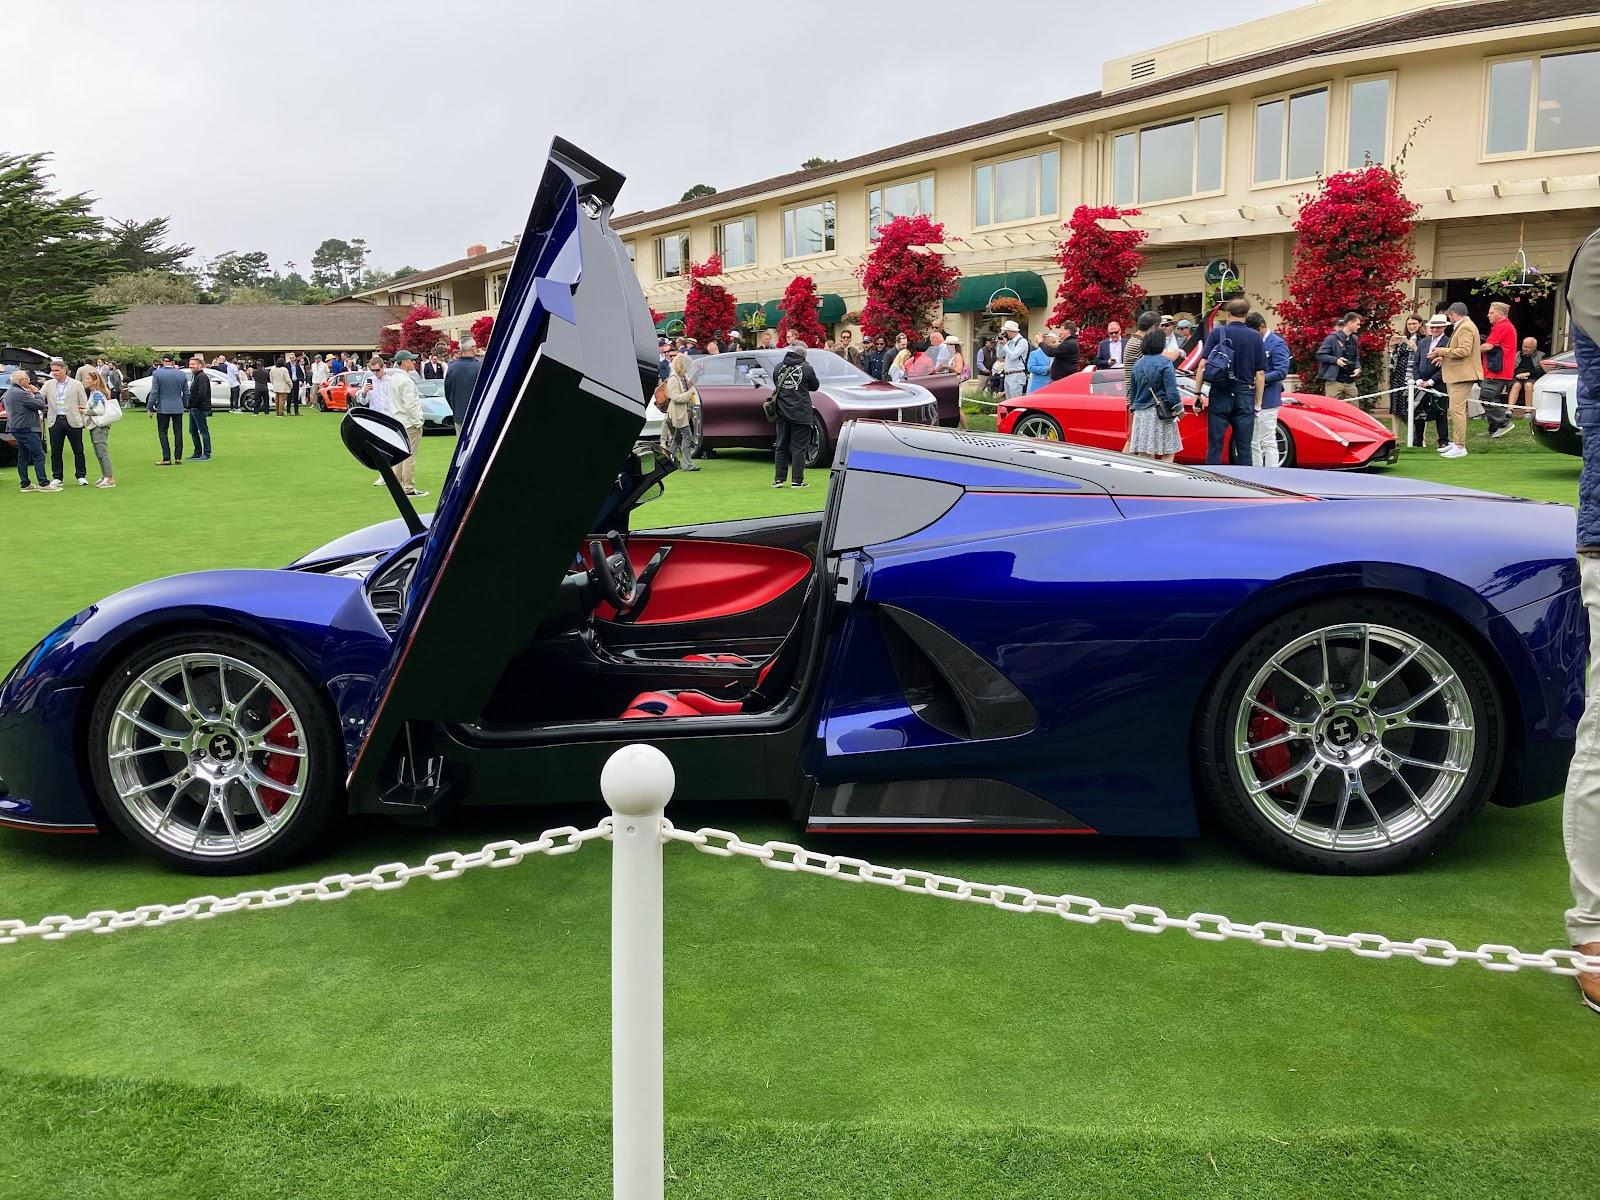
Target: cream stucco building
(1497, 103)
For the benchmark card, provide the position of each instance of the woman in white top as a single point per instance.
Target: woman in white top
(99, 435)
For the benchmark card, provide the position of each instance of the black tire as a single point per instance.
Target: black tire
(820, 453)
(322, 799)
(1218, 772)
(1287, 455)
(1038, 425)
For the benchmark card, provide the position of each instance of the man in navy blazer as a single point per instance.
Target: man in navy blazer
(1113, 348)
(1264, 442)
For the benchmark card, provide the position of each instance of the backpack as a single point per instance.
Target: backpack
(1219, 363)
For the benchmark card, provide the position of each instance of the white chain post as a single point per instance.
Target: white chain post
(636, 782)
(1411, 412)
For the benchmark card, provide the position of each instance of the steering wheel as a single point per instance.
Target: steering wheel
(613, 573)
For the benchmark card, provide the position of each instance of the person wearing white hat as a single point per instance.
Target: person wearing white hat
(1012, 355)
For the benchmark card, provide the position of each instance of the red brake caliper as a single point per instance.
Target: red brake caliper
(1274, 760)
(279, 767)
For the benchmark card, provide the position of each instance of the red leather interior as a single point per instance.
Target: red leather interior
(704, 579)
(736, 660)
(648, 705)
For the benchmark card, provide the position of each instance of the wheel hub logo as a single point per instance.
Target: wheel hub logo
(221, 747)
(1342, 731)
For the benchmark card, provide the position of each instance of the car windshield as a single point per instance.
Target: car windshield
(1112, 381)
(350, 379)
(430, 387)
(829, 365)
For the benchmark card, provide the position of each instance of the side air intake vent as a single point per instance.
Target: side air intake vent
(949, 686)
(1143, 69)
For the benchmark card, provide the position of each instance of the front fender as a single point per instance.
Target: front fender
(322, 622)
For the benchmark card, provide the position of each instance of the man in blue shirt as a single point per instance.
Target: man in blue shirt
(1236, 395)
(1264, 446)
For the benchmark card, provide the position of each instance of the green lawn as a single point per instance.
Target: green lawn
(823, 1040)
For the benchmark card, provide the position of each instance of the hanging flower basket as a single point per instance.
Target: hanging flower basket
(755, 322)
(1518, 281)
(1006, 306)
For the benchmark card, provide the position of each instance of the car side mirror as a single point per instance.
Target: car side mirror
(378, 442)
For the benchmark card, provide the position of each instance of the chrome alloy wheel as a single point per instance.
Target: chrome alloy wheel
(207, 754)
(1036, 426)
(1354, 737)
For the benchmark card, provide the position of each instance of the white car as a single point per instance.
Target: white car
(1555, 405)
(221, 396)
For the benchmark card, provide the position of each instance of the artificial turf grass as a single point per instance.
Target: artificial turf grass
(155, 1141)
(798, 1009)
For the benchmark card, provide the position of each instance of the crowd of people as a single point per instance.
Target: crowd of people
(46, 419)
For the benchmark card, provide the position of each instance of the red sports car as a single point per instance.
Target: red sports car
(1090, 408)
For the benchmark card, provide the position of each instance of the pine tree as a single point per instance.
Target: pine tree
(55, 254)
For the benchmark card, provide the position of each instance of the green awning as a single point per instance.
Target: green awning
(671, 322)
(973, 292)
(830, 310)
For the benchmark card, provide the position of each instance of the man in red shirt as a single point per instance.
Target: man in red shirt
(1499, 361)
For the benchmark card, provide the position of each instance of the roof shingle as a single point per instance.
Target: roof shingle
(254, 326)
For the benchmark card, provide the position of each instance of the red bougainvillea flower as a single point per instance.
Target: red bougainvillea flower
(905, 287)
(414, 335)
(798, 310)
(1352, 249)
(708, 308)
(1098, 266)
(481, 329)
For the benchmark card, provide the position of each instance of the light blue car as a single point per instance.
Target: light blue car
(436, 414)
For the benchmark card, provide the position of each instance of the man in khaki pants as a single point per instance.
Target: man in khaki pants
(1462, 360)
(1581, 812)
(405, 406)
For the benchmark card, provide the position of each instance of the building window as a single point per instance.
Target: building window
(1551, 104)
(433, 297)
(1171, 161)
(497, 288)
(736, 243)
(908, 198)
(808, 229)
(672, 255)
(1368, 139)
(1018, 189)
(1291, 137)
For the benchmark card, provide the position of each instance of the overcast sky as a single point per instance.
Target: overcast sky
(423, 126)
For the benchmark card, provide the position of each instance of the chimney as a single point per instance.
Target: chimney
(476, 250)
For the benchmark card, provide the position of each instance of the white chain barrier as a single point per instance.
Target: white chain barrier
(447, 864)
(789, 857)
(1136, 918)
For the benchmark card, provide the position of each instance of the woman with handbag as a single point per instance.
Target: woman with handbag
(104, 411)
(678, 433)
(1156, 402)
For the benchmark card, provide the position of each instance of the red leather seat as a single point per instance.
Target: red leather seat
(648, 705)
